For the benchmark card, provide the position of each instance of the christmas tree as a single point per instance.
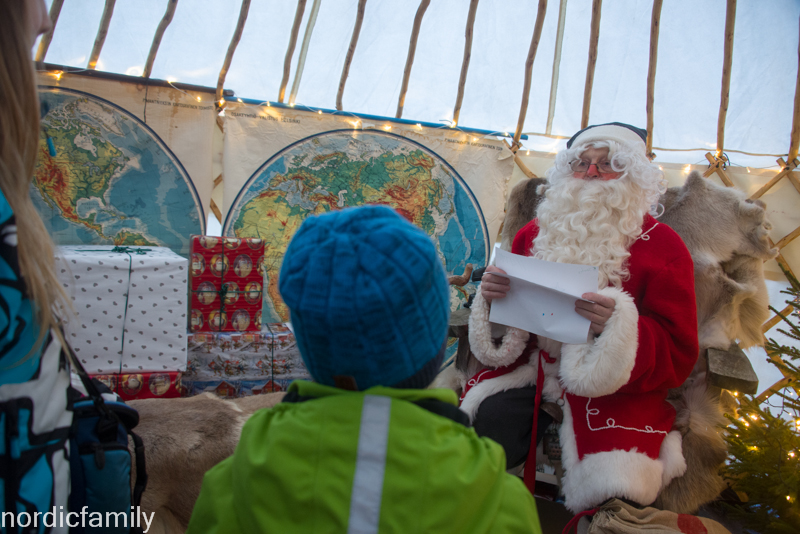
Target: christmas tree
(764, 440)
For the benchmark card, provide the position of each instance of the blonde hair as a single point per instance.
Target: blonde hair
(19, 145)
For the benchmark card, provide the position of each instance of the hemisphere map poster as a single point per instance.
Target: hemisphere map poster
(122, 164)
(283, 165)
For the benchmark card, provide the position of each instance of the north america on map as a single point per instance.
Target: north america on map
(339, 169)
(103, 177)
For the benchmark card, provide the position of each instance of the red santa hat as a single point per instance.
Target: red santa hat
(625, 134)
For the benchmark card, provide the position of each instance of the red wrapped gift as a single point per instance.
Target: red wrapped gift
(165, 385)
(226, 283)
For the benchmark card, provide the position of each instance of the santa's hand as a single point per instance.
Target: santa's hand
(493, 286)
(598, 311)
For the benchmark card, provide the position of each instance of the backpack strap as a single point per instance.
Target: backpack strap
(141, 469)
(108, 424)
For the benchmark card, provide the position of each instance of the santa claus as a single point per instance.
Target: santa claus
(616, 436)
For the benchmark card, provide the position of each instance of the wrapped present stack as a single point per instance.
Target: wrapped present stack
(242, 364)
(131, 323)
(227, 277)
(230, 352)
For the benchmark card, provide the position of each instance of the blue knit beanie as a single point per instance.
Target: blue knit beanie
(369, 299)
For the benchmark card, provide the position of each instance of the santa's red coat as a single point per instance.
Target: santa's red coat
(616, 438)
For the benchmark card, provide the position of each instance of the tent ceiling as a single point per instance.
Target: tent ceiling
(687, 87)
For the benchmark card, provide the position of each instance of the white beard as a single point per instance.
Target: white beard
(591, 222)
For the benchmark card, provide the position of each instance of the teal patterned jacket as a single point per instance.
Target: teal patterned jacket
(35, 411)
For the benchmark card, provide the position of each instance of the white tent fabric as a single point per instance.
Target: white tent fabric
(764, 73)
(687, 91)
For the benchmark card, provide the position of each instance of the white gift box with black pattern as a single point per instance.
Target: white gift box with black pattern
(131, 307)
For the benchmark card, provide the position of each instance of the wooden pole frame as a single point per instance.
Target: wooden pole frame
(102, 31)
(526, 89)
(287, 60)
(521, 164)
(795, 137)
(362, 6)
(237, 34)
(655, 23)
(462, 80)
(162, 27)
(44, 44)
(412, 50)
(730, 20)
(716, 165)
(301, 59)
(594, 38)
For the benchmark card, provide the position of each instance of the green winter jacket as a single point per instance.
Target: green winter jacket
(373, 461)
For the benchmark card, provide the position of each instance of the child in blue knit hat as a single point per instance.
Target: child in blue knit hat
(364, 448)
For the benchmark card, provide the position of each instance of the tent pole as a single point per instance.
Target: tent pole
(301, 60)
(44, 44)
(108, 11)
(730, 19)
(412, 49)
(551, 108)
(473, 7)
(526, 90)
(795, 137)
(655, 22)
(362, 4)
(162, 27)
(237, 34)
(287, 61)
(593, 39)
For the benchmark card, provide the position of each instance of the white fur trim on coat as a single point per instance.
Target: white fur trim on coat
(603, 366)
(480, 337)
(603, 475)
(617, 473)
(671, 457)
(522, 376)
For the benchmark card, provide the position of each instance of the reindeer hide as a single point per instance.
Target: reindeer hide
(183, 439)
(699, 418)
(521, 208)
(727, 236)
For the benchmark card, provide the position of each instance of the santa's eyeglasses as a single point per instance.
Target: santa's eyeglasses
(582, 166)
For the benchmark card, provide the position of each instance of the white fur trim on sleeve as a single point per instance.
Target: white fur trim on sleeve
(523, 376)
(601, 367)
(480, 337)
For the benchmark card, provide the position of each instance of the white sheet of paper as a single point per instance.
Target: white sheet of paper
(542, 297)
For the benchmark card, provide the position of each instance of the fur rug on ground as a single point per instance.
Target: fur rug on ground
(184, 438)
